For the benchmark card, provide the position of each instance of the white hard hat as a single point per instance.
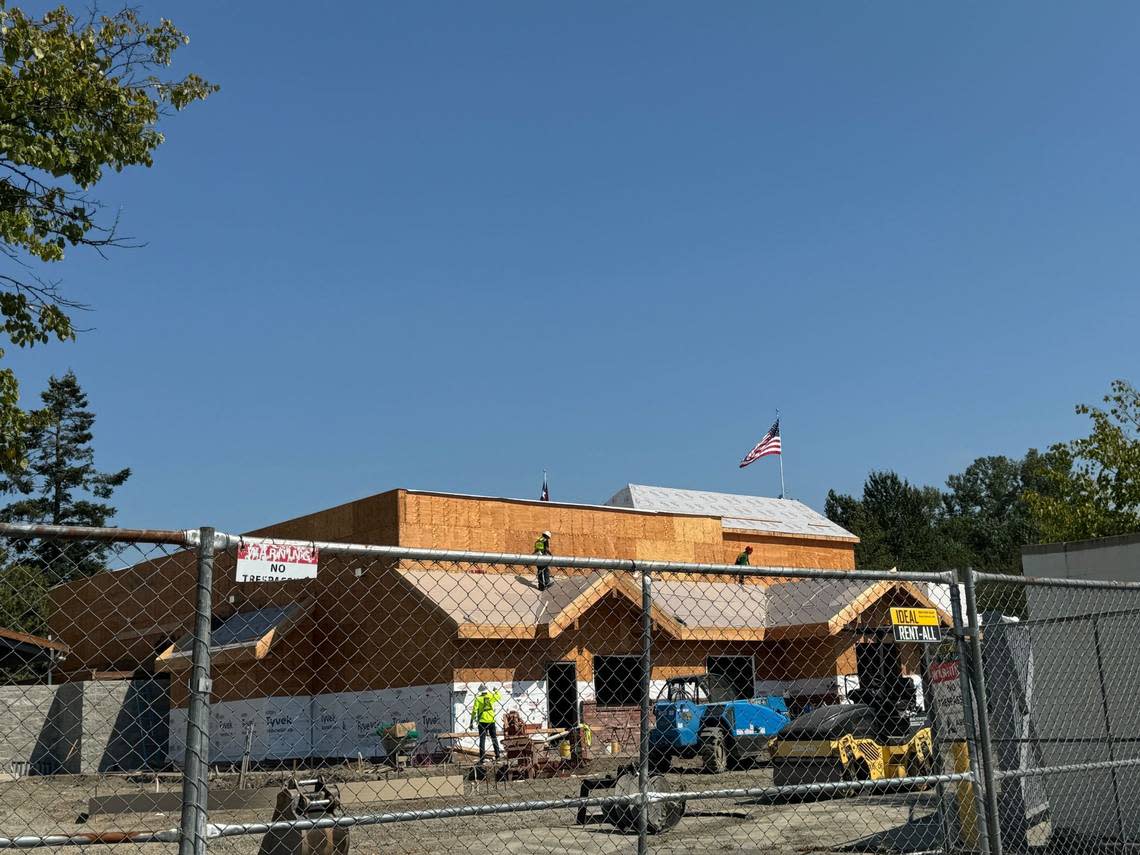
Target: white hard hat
(546, 534)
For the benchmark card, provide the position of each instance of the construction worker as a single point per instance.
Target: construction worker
(744, 559)
(483, 716)
(542, 547)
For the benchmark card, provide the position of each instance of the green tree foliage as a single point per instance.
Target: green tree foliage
(23, 598)
(61, 485)
(898, 523)
(987, 512)
(981, 520)
(24, 607)
(1086, 488)
(1092, 487)
(77, 97)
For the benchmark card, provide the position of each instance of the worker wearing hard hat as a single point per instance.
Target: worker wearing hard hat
(542, 547)
(483, 716)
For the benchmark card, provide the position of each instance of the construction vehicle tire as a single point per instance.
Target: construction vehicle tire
(660, 815)
(856, 770)
(714, 753)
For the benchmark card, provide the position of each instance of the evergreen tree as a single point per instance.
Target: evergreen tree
(899, 524)
(61, 485)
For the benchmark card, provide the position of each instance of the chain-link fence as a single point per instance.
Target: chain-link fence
(1062, 665)
(206, 690)
(84, 716)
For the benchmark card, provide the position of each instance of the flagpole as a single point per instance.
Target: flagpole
(783, 492)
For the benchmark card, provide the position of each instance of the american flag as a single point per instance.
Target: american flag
(544, 496)
(770, 444)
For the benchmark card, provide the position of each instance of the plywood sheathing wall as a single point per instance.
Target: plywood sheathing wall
(502, 525)
(118, 621)
(819, 552)
(498, 525)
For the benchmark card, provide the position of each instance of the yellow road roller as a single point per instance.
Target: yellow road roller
(873, 739)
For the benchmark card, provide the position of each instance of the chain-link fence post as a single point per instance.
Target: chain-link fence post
(643, 747)
(1097, 650)
(961, 631)
(196, 763)
(978, 683)
(938, 766)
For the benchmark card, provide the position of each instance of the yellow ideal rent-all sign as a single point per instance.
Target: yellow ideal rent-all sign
(914, 617)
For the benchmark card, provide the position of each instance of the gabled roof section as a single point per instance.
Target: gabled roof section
(245, 635)
(743, 513)
(623, 586)
(500, 605)
(506, 605)
(714, 611)
(497, 605)
(806, 607)
(726, 611)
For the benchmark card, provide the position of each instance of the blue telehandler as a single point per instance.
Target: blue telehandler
(702, 716)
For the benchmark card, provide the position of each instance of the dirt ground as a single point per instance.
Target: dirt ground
(896, 822)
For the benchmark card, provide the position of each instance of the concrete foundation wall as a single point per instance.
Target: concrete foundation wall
(84, 728)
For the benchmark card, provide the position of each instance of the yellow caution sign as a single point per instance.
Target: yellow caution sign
(914, 617)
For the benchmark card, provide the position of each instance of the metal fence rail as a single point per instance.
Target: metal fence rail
(429, 700)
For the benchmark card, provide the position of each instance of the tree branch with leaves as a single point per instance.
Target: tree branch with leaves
(1094, 484)
(77, 97)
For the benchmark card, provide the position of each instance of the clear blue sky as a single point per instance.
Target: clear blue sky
(445, 245)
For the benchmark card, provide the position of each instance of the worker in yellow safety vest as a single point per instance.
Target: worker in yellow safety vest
(542, 547)
(483, 715)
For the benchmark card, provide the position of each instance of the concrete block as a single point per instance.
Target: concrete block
(84, 728)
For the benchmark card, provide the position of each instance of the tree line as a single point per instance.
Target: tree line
(1085, 488)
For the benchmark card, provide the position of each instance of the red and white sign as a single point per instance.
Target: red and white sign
(266, 561)
(946, 680)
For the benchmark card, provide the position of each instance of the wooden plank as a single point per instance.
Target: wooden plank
(795, 631)
(598, 589)
(492, 631)
(34, 640)
(725, 633)
(865, 600)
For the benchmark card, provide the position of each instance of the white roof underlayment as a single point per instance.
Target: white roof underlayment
(757, 513)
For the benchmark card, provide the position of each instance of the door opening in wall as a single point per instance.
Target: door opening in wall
(562, 694)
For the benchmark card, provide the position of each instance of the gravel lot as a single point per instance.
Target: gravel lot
(896, 822)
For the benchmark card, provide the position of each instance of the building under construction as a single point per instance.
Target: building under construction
(311, 668)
